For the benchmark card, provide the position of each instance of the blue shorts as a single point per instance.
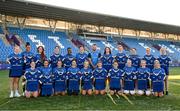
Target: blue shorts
(158, 86)
(73, 84)
(100, 84)
(142, 84)
(128, 85)
(46, 89)
(115, 84)
(166, 71)
(60, 86)
(32, 86)
(87, 85)
(15, 73)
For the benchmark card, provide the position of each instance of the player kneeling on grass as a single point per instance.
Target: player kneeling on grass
(143, 74)
(73, 75)
(46, 80)
(86, 79)
(60, 77)
(157, 77)
(32, 76)
(129, 78)
(115, 76)
(100, 76)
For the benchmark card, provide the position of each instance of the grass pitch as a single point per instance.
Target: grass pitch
(170, 102)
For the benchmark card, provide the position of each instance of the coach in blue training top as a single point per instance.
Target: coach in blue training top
(94, 56)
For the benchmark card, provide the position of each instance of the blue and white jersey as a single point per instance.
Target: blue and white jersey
(94, 56)
(32, 77)
(16, 61)
(28, 58)
(135, 60)
(54, 59)
(67, 60)
(73, 73)
(39, 60)
(129, 73)
(121, 58)
(164, 61)
(149, 61)
(86, 78)
(115, 73)
(107, 61)
(86, 74)
(115, 76)
(59, 74)
(158, 75)
(143, 73)
(74, 79)
(80, 59)
(100, 73)
(46, 75)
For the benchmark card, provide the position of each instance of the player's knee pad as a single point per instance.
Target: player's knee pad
(132, 92)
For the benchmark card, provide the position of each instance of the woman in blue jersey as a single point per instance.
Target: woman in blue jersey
(129, 78)
(100, 77)
(107, 59)
(74, 76)
(16, 70)
(143, 76)
(40, 56)
(164, 63)
(32, 78)
(121, 57)
(157, 77)
(115, 76)
(86, 79)
(60, 78)
(55, 57)
(46, 79)
(81, 57)
(28, 56)
(67, 60)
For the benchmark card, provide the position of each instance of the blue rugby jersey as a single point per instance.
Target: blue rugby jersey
(121, 58)
(32, 77)
(107, 61)
(67, 60)
(28, 58)
(115, 76)
(164, 61)
(149, 61)
(80, 59)
(54, 59)
(86, 78)
(135, 60)
(16, 61)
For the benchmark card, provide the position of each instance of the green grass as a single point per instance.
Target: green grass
(170, 102)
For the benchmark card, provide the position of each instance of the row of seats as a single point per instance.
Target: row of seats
(49, 40)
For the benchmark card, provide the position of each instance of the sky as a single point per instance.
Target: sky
(160, 11)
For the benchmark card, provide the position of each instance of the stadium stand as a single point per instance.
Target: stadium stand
(38, 37)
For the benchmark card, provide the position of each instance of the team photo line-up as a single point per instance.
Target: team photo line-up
(87, 74)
